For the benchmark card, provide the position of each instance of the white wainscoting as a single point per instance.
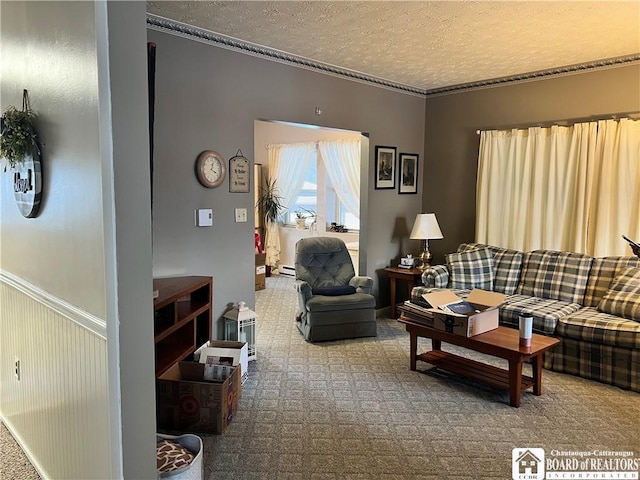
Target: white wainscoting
(58, 410)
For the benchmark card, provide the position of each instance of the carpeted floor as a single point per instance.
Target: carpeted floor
(14, 464)
(352, 410)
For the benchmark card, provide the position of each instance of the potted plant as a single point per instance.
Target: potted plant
(301, 218)
(18, 138)
(270, 204)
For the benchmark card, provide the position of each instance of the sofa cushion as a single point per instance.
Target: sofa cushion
(545, 312)
(590, 325)
(555, 275)
(471, 269)
(507, 266)
(602, 273)
(623, 296)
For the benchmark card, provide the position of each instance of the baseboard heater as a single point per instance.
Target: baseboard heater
(287, 270)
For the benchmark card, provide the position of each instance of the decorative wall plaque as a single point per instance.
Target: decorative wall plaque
(239, 174)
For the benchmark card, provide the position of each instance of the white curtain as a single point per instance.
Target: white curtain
(288, 165)
(563, 188)
(615, 201)
(342, 161)
(532, 187)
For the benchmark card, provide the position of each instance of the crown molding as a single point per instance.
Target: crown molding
(538, 75)
(155, 22)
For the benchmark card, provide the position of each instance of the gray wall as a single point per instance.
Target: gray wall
(62, 250)
(127, 192)
(84, 64)
(451, 142)
(208, 98)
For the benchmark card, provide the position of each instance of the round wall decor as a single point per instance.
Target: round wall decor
(27, 185)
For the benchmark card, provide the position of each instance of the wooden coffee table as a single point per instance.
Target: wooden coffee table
(501, 342)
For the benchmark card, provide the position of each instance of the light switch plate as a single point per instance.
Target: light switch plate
(241, 215)
(204, 217)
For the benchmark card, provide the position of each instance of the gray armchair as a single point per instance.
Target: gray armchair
(333, 303)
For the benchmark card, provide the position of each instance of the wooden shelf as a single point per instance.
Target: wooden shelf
(481, 372)
(182, 318)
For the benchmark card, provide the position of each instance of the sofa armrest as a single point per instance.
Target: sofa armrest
(362, 284)
(436, 276)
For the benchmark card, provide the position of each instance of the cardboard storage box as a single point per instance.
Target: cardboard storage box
(260, 271)
(186, 403)
(226, 348)
(485, 319)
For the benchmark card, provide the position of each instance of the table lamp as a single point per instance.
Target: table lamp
(426, 228)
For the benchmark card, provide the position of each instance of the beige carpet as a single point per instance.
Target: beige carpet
(353, 410)
(13, 462)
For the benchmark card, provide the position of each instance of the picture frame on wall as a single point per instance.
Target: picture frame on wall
(408, 178)
(385, 167)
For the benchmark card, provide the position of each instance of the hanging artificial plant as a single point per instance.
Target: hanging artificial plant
(18, 137)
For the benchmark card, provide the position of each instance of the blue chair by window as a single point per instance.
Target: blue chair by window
(333, 303)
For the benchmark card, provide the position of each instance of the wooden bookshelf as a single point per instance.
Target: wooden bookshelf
(182, 318)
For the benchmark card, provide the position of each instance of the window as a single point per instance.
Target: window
(319, 195)
(307, 197)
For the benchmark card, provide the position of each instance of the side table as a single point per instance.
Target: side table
(412, 277)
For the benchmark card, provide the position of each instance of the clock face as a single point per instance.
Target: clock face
(210, 169)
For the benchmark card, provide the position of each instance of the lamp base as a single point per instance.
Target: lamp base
(425, 257)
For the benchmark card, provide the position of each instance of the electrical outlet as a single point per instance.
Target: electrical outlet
(17, 370)
(241, 215)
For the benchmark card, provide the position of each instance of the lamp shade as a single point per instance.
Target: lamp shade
(426, 227)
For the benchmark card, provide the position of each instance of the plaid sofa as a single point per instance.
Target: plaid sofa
(562, 292)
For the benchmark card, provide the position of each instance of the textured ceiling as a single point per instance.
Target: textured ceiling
(426, 45)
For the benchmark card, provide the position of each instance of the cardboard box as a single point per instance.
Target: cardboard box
(226, 348)
(485, 319)
(185, 403)
(260, 283)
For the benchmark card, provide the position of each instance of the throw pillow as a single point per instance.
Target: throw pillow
(471, 269)
(623, 297)
(172, 456)
(334, 291)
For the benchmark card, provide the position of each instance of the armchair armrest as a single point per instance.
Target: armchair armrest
(303, 288)
(362, 284)
(436, 276)
(304, 295)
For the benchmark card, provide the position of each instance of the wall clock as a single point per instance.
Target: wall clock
(211, 169)
(27, 185)
(239, 174)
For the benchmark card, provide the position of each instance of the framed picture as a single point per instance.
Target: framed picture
(385, 167)
(408, 173)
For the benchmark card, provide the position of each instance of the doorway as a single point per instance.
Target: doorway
(316, 196)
